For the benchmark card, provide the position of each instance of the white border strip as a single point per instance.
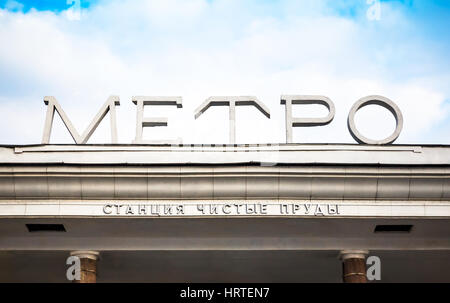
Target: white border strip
(226, 208)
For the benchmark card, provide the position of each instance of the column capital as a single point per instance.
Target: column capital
(86, 254)
(354, 265)
(353, 254)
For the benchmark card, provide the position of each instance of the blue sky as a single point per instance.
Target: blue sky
(199, 48)
(42, 5)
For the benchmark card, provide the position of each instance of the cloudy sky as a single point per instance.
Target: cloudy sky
(83, 52)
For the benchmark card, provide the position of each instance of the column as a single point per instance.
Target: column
(354, 266)
(88, 265)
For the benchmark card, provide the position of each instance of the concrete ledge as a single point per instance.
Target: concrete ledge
(266, 154)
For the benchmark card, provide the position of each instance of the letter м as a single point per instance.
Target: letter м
(53, 105)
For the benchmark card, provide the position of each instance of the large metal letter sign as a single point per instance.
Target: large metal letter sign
(142, 122)
(232, 102)
(377, 100)
(52, 105)
(288, 100)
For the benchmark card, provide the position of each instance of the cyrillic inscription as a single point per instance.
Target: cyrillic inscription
(221, 209)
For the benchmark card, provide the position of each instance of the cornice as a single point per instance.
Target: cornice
(224, 182)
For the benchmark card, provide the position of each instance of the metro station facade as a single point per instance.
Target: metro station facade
(284, 213)
(224, 213)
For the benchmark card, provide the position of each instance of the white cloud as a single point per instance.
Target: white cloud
(197, 49)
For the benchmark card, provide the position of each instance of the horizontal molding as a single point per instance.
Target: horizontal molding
(270, 154)
(224, 182)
